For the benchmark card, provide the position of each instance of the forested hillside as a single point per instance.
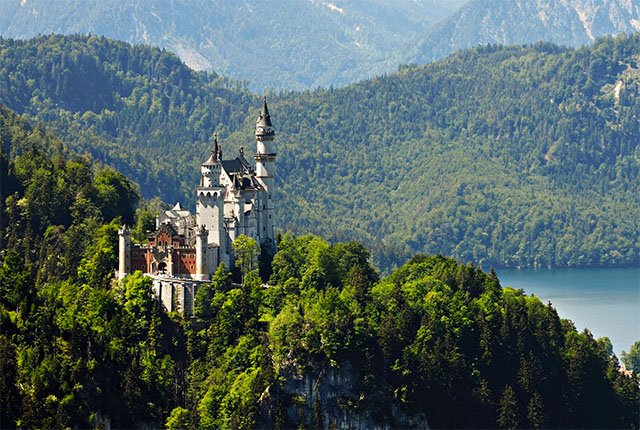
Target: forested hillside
(303, 44)
(328, 343)
(284, 45)
(138, 109)
(505, 156)
(498, 155)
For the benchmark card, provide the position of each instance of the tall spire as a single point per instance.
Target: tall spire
(264, 119)
(217, 152)
(264, 128)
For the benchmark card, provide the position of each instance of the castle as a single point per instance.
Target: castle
(233, 198)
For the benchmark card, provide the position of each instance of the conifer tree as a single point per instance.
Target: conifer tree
(508, 409)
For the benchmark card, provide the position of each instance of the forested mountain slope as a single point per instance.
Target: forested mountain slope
(286, 44)
(309, 43)
(435, 343)
(564, 22)
(502, 156)
(136, 108)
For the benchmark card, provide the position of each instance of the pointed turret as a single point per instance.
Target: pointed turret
(210, 169)
(216, 154)
(264, 119)
(264, 128)
(216, 148)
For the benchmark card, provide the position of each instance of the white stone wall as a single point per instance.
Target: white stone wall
(176, 295)
(210, 212)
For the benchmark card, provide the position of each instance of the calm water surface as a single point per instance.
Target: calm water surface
(606, 301)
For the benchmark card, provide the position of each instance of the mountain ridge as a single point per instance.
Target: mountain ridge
(505, 156)
(310, 44)
(565, 22)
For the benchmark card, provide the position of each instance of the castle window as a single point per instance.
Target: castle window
(269, 216)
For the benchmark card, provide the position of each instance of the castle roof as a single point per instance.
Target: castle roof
(165, 227)
(240, 173)
(243, 160)
(211, 161)
(264, 120)
(214, 158)
(233, 166)
(175, 213)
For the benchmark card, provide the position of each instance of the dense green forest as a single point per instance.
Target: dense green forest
(328, 342)
(504, 156)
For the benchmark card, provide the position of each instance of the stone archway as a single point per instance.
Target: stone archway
(162, 268)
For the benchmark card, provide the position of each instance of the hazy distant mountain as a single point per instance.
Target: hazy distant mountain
(301, 44)
(564, 22)
(291, 44)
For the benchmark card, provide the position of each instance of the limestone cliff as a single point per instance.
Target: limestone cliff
(329, 397)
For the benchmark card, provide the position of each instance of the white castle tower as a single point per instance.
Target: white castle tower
(210, 211)
(265, 170)
(124, 251)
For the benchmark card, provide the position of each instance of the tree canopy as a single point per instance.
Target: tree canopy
(505, 156)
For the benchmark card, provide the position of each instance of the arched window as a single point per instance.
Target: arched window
(162, 267)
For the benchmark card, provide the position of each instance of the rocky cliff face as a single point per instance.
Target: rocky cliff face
(564, 22)
(328, 397)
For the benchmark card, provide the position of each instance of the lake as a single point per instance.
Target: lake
(606, 301)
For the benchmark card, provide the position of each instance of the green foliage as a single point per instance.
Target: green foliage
(246, 251)
(125, 105)
(221, 282)
(179, 419)
(505, 156)
(116, 195)
(631, 359)
(15, 283)
(145, 216)
(138, 301)
(55, 203)
(74, 351)
(435, 338)
(508, 410)
(102, 256)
